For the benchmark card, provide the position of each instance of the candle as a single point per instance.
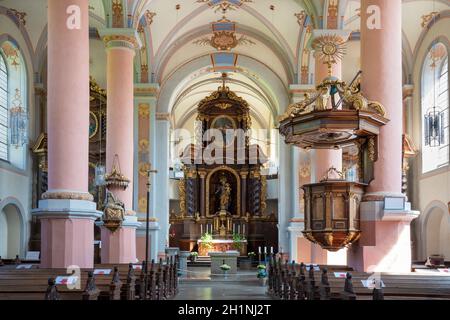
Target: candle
(265, 250)
(201, 230)
(239, 229)
(243, 231)
(259, 250)
(271, 250)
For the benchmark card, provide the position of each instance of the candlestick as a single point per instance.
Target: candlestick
(239, 229)
(201, 230)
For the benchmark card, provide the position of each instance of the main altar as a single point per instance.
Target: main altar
(222, 203)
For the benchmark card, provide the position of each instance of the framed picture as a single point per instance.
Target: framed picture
(93, 124)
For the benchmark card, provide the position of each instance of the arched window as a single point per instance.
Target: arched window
(13, 105)
(435, 109)
(3, 109)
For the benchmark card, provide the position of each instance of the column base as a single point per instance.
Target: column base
(67, 232)
(152, 243)
(295, 234)
(119, 247)
(385, 244)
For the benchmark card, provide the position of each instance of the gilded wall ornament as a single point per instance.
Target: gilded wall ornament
(117, 10)
(19, 16)
(143, 145)
(144, 110)
(224, 36)
(428, 18)
(142, 204)
(330, 48)
(224, 5)
(149, 17)
(144, 167)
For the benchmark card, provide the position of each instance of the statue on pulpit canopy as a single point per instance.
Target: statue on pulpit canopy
(224, 191)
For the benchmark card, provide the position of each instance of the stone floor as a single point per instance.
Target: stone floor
(199, 284)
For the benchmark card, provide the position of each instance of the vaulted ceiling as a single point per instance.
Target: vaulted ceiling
(268, 59)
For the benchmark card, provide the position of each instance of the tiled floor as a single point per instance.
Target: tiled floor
(200, 285)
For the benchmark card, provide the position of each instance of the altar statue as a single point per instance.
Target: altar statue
(224, 191)
(114, 211)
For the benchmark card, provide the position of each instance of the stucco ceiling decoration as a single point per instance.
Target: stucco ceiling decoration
(224, 37)
(224, 5)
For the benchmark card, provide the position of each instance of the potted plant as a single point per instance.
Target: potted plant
(193, 256)
(262, 275)
(225, 268)
(252, 255)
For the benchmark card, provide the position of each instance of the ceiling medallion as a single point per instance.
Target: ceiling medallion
(224, 36)
(224, 5)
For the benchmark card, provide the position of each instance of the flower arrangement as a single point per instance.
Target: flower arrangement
(237, 241)
(225, 267)
(193, 257)
(207, 240)
(262, 273)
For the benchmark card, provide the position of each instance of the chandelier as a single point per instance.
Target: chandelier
(18, 121)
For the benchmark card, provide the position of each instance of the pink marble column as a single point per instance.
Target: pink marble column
(385, 244)
(66, 211)
(68, 98)
(120, 246)
(120, 116)
(381, 60)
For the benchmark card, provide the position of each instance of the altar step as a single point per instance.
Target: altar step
(201, 262)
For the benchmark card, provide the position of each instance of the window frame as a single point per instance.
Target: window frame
(6, 71)
(438, 169)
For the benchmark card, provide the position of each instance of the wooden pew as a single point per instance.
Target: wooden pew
(35, 283)
(290, 282)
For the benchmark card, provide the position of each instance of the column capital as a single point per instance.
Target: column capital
(408, 91)
(120, 38)
(343, 34)
(146, 90)
(163, 116)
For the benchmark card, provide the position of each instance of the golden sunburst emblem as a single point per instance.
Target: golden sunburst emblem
(330, 48)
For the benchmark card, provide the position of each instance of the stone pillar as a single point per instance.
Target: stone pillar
(385, 243)
(160, 156)
(120, 246)
(145, 110)
(66, 211)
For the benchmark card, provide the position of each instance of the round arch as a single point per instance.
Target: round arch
(433, 230)
(13, 228)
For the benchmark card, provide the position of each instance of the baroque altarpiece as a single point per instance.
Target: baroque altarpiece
(223, 200)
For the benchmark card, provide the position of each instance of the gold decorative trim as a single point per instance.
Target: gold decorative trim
(67, 195)
(144, 110)
(126, 41)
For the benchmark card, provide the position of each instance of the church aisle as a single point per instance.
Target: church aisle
(200, 285)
